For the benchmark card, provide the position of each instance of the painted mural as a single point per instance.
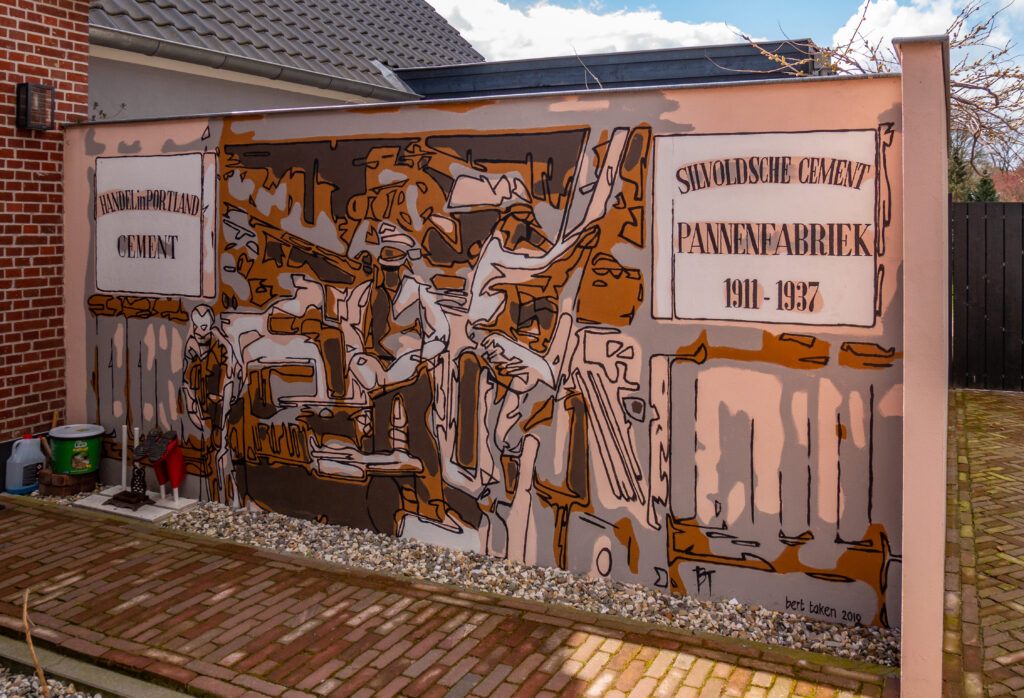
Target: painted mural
(610, 341)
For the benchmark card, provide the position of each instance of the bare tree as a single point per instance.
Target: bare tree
(986, 82)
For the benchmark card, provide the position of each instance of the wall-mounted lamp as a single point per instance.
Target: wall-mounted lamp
(35, 106)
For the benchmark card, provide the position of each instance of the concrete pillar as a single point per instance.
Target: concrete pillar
(925, 64)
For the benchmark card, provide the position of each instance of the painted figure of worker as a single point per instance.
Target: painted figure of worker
(208, 388)
(395, 330)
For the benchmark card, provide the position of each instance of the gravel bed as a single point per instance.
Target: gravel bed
(66, 501)
(27, 685)
(411, 558)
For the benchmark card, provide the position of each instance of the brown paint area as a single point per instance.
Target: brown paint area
(786, 349)
(573, 493)
(864, 355)
(103, 305)
(866, 560)
(610, 293)
(792, 351)
(627, 538)
(461, 107)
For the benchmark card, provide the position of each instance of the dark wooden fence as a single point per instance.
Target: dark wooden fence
(987, 313)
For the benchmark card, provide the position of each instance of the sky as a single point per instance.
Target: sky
(509, 29)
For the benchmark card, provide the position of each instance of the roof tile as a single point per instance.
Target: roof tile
(338, 38)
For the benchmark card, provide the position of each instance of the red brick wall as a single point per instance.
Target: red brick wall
(43, 41)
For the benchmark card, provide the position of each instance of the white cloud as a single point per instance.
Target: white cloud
(887, 19)
(890, 19)
(1014, 10)
(501, 33)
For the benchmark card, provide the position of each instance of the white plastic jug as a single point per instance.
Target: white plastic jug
(24, 464)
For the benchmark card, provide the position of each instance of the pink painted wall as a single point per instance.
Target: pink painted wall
(533, 327)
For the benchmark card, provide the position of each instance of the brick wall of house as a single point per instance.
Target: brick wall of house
(42, 41)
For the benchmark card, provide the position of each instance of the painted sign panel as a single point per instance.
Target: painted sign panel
(149, 224)
(592, 342)
(766, 227)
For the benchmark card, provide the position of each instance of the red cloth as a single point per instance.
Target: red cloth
(170, 466)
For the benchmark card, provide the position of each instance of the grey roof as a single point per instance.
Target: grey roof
(657, 67)
(342, 40)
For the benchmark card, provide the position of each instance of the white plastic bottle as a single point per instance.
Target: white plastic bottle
(24, 464)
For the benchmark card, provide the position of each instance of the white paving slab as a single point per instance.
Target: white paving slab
(167, 502)
(147, 512)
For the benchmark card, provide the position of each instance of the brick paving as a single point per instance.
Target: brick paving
(984, 614)
(214, 617)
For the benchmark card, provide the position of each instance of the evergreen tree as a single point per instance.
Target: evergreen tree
(984, 190)
(960, 184)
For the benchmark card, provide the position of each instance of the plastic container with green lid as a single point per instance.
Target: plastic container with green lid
(76, 448)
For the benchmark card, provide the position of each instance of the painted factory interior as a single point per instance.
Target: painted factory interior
(653, 335)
